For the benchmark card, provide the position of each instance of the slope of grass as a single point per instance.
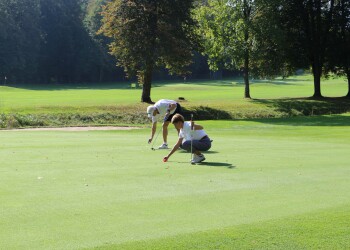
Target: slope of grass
(268, 183)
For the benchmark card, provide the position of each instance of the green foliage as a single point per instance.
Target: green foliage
(150, 34)
(46, 41)
(19, 39)
(143, 31)
(221, 30)
(338, 52)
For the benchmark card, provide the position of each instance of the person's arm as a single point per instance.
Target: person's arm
(176, 146)
(196, 126)
(154, 129)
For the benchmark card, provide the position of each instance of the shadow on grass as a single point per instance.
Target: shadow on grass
(332, 120)
(206, 152)
(307, 106)
(206, 113)
(217, 164)
(74, 86)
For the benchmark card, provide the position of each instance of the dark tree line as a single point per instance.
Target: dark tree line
(56, 40)
(48, 41)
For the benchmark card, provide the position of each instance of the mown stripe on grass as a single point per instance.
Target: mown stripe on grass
(324, 229)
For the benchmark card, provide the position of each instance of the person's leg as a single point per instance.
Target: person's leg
(198, 146)
(165, 132)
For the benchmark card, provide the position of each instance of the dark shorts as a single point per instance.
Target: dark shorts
(178, 110)
(203, 144)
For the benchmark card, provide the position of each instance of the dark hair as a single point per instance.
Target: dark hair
(177, 118)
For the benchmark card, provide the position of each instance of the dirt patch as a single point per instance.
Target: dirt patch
(74, 129)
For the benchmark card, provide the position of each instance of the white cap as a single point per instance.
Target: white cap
(150, 110)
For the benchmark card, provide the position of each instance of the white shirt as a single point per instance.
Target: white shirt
(186, 132)
(162, 106)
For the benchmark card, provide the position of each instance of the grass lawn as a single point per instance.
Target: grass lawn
(266, 184)
(106, 104)
(227, 94)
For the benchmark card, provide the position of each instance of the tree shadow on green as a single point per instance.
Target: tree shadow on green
(73, 86)
(206, 113)
(329, 120)
(307, 106)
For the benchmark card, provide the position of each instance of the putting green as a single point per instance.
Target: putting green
(277, 183)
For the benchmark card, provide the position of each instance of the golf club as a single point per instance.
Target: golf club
(192, 140)
(155, 140)
(164, 120)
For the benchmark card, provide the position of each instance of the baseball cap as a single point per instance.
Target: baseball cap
(150, 110)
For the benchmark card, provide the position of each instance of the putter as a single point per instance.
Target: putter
(164, 120)
(155, 140)
(191, 140)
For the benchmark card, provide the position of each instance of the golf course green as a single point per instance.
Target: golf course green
(266, 184)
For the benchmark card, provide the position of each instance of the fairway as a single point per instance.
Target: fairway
(63, 98)
(266, 184)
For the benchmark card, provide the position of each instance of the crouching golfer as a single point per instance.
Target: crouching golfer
(164, 109)
(189, 130)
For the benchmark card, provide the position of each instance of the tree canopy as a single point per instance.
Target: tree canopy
(147, 35)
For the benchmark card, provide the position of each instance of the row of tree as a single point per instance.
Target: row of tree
(263, 38)
(69, 41)
(274, 37)
(52, 41)
(48, 41)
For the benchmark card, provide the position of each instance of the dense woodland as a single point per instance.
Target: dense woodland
(68, 41)
(48, 41)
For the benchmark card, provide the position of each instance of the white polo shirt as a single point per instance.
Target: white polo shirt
(186, 132)
(162, 106)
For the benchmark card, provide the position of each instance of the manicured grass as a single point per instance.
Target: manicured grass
(226, 94)
(266, 184)
(106, 104)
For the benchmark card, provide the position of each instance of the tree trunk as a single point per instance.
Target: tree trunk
(348, 75)
(146, 86)
(317, 80)
(246, 79)
(246, 67)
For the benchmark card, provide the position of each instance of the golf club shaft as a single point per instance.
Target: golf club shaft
(155, 139)
(165, 118)
(191, 138)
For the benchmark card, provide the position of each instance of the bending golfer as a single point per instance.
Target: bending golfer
(164, 109)
(190, 131)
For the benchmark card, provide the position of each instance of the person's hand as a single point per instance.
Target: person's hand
(150, 140)
(165, 159)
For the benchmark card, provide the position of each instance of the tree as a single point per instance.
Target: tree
(307, 25)
(242, 34)
(149, 34)
(103, 61)
(226, 34)
(19, 39)
(338, 52)
(65, 55)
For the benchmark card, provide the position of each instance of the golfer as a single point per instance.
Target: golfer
(190, 131)
(165, 109)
